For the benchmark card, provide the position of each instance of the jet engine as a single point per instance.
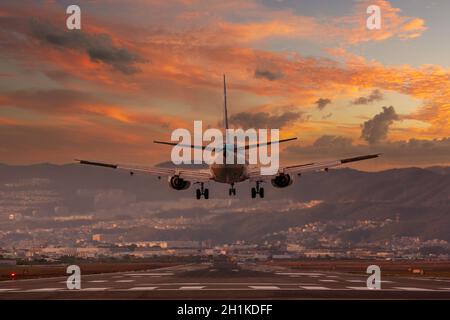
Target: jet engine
(282, 181)
(178, 183)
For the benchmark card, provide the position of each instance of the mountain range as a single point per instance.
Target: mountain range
(418, 198)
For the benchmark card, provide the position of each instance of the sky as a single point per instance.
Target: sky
(139, 69)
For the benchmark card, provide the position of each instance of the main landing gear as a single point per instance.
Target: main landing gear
(202, 191)
(232, 190)
(258, 190)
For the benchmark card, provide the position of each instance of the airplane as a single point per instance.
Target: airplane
(181, 178)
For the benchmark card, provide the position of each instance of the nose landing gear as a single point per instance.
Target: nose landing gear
(202, 192)
(258, 190)
(232, 190)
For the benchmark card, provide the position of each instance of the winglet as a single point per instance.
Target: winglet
(370, 156)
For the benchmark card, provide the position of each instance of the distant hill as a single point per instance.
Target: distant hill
(420, 197)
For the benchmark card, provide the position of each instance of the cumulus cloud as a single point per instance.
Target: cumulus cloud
(267, 74)
(322, 103)
(375, 95)
(264, 120)
(412, 152)
(99, 47)
(331, 141)
(376, 129)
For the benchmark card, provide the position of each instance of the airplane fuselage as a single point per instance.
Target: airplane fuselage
(229, 173)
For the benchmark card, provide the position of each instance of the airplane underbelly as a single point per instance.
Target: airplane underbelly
(228, 173)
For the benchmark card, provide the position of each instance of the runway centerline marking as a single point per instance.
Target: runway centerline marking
(412, 289)
(45, 289)
(97, 281)
(123, 281)
(315, 288)
(191, 288)
(142, 288)
(94, 289)
(150, 274)
(313, 274)
(8, 289)
(327, 280)
(265, 287)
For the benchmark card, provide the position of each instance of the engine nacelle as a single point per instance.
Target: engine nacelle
(178, 183)
(282, 181)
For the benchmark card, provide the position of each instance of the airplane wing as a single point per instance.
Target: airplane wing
(257, 145)
(255, 175)
(193, 175)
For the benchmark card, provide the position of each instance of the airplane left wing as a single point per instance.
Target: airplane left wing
(194, 175)
(255, 175)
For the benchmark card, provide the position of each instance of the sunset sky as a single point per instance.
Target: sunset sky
(139, 69)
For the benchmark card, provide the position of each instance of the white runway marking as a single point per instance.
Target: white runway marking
(314, 288)
(94, 289)
(122, 281)
(358, 288)
(311, 274)
(191, 288)
(142, 288)
(412, 289)
(357, 281)
(45, 290)
(98, 281)
(9, 289)
(151, 274)
(265, 287)
(328, 280)
(448, 289)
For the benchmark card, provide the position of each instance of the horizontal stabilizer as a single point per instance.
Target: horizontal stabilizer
(267, 143)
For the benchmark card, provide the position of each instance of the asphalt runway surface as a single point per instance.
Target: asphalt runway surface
(227, 281)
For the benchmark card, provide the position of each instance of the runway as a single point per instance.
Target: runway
(226, 281)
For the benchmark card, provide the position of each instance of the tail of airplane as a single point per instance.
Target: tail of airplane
(225, 114)
(225, 124)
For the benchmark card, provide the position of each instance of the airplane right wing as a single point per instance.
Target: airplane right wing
(193, 175)
(255, 175)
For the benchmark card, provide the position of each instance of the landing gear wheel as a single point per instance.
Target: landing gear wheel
(257, 190)
(202, 192)
(232, 190)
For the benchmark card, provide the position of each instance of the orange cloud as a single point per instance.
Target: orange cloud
(185, 61)
(392, 24)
